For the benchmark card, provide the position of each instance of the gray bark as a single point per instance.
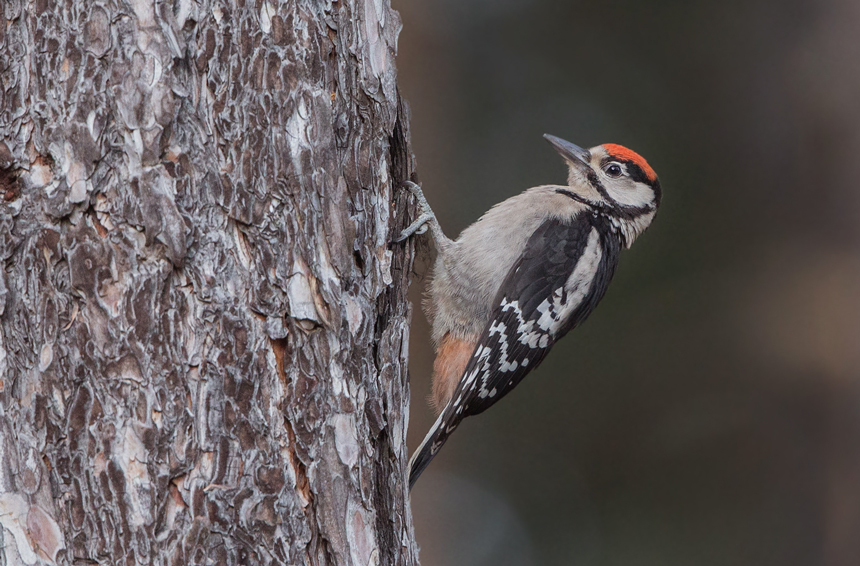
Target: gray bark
(204, 328)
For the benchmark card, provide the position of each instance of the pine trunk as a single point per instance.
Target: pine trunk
(204, 327)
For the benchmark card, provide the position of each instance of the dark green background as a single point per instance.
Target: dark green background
(708, 412)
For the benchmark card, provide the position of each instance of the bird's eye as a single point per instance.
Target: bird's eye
(613, 170)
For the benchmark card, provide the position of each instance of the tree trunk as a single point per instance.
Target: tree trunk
(204, 327)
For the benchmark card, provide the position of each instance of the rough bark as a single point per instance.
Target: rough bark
(204, 327)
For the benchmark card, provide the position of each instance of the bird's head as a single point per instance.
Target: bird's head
(614, 180)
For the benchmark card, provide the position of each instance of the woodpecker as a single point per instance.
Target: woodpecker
(527, 272)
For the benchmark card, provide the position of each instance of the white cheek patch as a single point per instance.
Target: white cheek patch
(630, 194)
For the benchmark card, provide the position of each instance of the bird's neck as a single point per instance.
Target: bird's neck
(629, 228)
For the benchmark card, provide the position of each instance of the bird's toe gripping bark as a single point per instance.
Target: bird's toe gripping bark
(417, 227)
(424, 221)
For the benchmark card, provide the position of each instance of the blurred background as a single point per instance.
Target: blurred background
(708, 413)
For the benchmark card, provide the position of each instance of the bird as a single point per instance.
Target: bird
(528, 271)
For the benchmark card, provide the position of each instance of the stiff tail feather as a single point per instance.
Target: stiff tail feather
(436, 437)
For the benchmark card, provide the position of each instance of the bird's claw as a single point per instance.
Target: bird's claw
(420, 226)
(417, 227)
(419, 194)
(412, 187)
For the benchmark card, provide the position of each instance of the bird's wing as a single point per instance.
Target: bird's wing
(562, 274)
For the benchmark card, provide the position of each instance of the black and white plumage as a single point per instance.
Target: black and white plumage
(529, 271)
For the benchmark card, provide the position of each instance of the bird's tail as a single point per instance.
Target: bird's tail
(439, 433)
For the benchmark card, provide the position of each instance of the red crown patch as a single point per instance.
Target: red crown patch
(624, 154)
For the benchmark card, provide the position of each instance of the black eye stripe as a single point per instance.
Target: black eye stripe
(594, 180)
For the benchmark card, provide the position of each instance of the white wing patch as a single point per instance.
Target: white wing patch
(526, 332)
(554, 312)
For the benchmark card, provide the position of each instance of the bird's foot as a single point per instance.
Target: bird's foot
(422, 224)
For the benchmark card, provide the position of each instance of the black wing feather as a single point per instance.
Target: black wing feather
(546, 264)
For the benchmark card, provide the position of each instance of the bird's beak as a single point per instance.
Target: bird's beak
(569, 151)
